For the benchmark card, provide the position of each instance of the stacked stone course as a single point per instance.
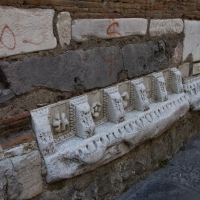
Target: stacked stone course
(52, 52)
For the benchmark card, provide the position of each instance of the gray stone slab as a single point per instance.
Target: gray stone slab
(89, 69)
(100, 66)
(144, 58)
(6, 95)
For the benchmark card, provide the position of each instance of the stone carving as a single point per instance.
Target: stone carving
(60, 122)
(125, 99)
(192, 89)
(191, 40)
(176, 81)
(141, 101)
(115, 107)
(159, 91)
(95, 145)
(83, 119)
(42, 127)
(96, 109)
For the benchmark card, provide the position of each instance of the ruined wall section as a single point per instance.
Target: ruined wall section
(57, 54)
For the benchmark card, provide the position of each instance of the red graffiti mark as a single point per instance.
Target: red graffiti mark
(111, 29)
(30, 42)
(6, 27)
(112, 59)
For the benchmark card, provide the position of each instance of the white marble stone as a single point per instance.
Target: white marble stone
(191, 43)
(25, 30)
(83, 29)
(196, 69)
(160, 27)
(159, 91)
(20, 176)
(64, 28)
(184, 69)
(192, 89)
(141, 101)
(94, 145)
(176, 81)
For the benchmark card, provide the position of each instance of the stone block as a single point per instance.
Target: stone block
(25, 30)
(89, 69)
(191, 40)
(184, 69)
(196, 69)
(160, 27)
(28, 168)
(64, 28)
(83, 29)
(5, 95)
(144, 58)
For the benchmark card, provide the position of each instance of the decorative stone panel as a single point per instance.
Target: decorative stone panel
(115, 131)
(25, 30)
(83, 29)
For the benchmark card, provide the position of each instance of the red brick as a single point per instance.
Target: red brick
(15, 118)
(23, 139)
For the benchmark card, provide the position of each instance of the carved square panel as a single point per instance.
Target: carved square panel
(59, 120)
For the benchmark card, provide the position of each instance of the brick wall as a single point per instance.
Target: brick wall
(117, 8)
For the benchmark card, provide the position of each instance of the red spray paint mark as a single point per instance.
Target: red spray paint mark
(6, 27)
(111, 29)
(30, 42)
(111, 60)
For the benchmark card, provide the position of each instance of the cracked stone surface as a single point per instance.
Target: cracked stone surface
(178, 180)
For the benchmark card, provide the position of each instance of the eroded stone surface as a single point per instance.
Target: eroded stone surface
(160, 27)
(25, 30)
(196, 68)
(144, 58)
(20, 176)
(191, 40)
(176, 58)
(64, 28)
(107, 28)
(74, 69)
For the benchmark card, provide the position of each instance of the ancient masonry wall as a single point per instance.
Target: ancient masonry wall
(94, 95)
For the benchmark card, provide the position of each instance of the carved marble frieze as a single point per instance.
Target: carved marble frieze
(80, 134)
(192, 89)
